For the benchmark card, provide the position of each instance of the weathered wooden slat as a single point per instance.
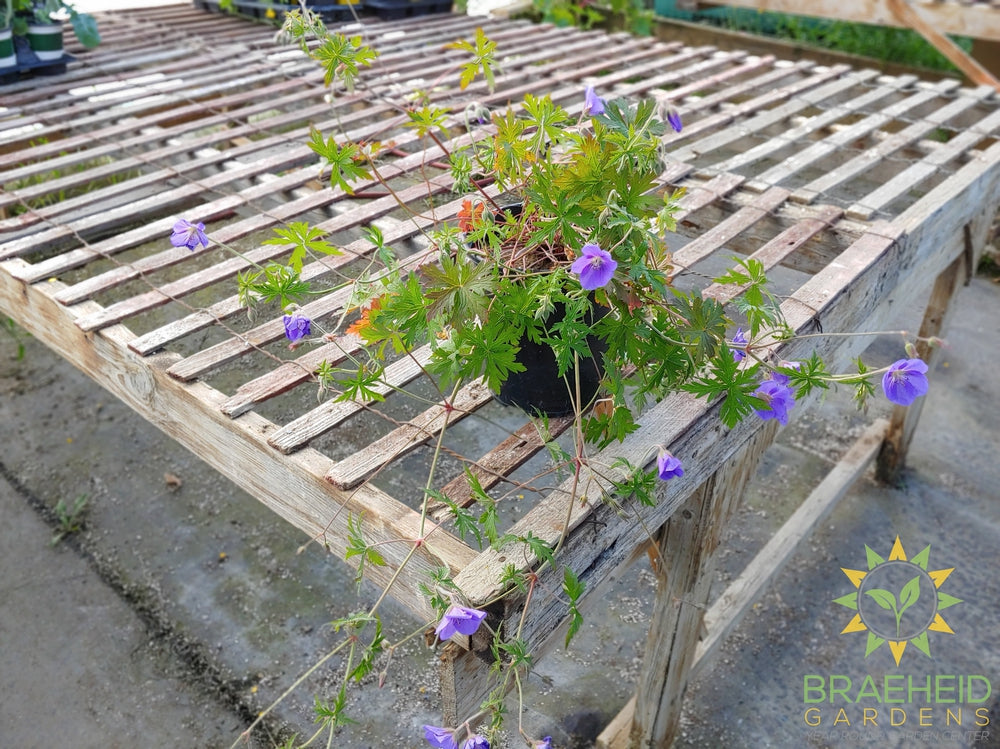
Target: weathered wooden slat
(825, 119)
(498, 463)
(804, 93)
(208, 359)
(351, 472)
(871, 156)
(288, 375)
(778, 250)
(909, 178)
(332, 413)
(717, 237)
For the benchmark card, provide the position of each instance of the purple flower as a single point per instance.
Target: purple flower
(441, 738)
(296, 326)
(460, 620)
(674, 118)
(741, 338)
(545, 743)
(476, 742)
(188, 235)
(779, 399)
(783, 379)
(595, 267)
(667, 466)
(592, 103)
(905, 381)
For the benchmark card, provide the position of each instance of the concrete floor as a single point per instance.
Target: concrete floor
(181, 609)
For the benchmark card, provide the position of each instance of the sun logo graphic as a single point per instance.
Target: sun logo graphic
(897, 600)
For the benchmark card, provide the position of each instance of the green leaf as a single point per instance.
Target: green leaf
(342, 58)
(546, 118)
(573, 589)
(491, 353)
(483, 53)
(85, 28)
(465, 521)
(703, 324)
(346, 163)
(304, 239)
(427, 119)
(459, 290)
(357, 546)
(363, 385)
(909, 594)
(539, 548)
(736, 385)
(883, 598)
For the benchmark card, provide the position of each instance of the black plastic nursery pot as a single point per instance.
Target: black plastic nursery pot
(540, 390)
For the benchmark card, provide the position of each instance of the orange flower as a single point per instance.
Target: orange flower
(470, 215)
(358, 326)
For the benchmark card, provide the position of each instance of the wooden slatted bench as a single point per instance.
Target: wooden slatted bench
(851, 188)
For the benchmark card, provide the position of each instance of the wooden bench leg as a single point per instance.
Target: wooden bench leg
(686, 548)
(903, 423)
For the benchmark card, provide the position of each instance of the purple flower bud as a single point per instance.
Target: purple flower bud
(188, 235)
(667, 466)
(296, 326)
(674, 118)
(440, 738)
(740, 339)
(905, 381)
(459, 620)
(545, 743)
(595, 267)
(592, 103)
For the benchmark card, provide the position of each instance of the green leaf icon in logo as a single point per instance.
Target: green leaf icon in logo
(907, 597)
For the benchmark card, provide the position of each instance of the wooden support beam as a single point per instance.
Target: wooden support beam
(735, 601)
(686, 554)
(913, 17)
(892, 457)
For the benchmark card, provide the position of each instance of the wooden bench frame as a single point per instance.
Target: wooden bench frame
(857, 254)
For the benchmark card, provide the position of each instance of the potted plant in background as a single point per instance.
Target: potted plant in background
(12, 23)
(44, 31)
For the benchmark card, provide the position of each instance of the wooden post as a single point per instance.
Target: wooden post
(903, 424)
(686, 552)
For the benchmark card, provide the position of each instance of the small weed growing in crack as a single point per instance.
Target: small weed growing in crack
(70, 518)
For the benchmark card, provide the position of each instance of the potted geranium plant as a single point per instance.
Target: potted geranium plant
(558, 251)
